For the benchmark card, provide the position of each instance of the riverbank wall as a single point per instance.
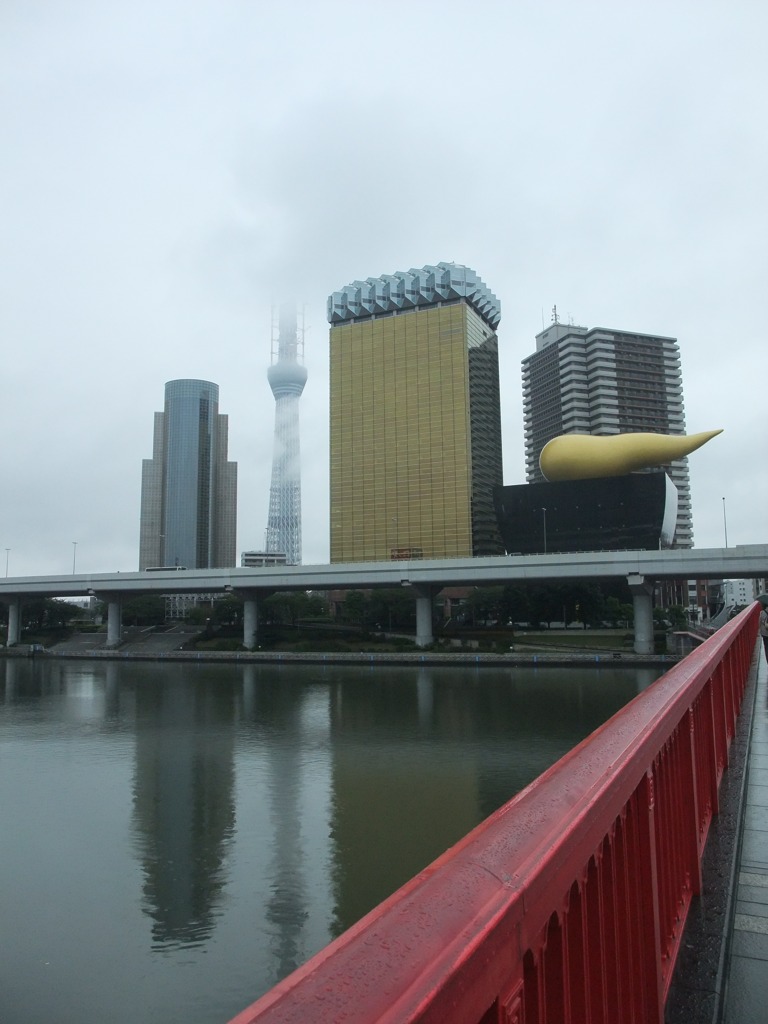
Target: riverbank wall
(508, 660)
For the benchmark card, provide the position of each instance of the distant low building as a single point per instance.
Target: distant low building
(740, 592)
(260, 559)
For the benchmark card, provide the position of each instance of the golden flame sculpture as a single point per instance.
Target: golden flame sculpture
(586, 456)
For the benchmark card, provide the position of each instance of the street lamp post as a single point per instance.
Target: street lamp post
(544, 514)
(725, 525)
(74, 556)
(7, 553)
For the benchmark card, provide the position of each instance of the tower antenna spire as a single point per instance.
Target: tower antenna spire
(287, 376)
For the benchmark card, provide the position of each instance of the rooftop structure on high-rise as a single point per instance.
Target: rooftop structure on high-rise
(599, 381)
(188, 488)
(287, 376)
(415, 421)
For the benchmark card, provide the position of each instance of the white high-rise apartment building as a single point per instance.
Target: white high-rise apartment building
(742, 592)
(600, 381)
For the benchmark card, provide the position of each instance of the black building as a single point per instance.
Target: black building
(632, 512)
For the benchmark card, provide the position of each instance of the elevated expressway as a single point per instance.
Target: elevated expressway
(425, 578)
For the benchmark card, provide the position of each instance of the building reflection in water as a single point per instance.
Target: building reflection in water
(11, 674)
(421, 759)
(349, 780)
(89, 693)
(288, 729)
(184, 809)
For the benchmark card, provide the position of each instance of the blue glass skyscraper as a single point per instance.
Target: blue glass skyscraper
(188, 488)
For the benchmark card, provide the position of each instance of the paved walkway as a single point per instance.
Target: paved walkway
(746, 992)
(721, 974)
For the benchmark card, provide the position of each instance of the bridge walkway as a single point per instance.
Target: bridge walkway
(746, 991)
(721, 974)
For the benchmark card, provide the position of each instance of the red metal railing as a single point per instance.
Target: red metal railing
(568, 903)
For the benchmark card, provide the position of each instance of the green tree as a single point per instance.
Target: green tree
(315, 606)
(227, 611)
(486, 604)
(198, 614)
(392, 607)
(277, 608)
(517, 603)
(627, 614)
(144, 610)
(59, 613)
(544, 603)
(288, 607)
(34, 612)
(49, 612)
(676, 615)
(612, 610)
(355, 606)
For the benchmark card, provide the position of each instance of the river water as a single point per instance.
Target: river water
(176, 838)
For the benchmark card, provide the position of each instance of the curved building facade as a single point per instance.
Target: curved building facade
(189, 489)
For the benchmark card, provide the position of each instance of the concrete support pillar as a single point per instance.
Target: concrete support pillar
(424, 598)
(642, 600)
(114, 619)
(14, 621)
(250, 621)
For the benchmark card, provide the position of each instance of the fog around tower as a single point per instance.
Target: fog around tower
(172, 170)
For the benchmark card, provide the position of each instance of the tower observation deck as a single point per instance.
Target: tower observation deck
(287, 376)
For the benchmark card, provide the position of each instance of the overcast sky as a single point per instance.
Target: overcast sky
(171, 168)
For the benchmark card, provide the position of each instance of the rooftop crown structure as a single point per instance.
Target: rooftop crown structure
(415, 423)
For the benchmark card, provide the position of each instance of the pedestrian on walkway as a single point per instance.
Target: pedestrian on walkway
(764, 627)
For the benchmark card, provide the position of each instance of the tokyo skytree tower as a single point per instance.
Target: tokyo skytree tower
(287, 376)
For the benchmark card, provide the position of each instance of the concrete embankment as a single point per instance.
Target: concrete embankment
(509, 659)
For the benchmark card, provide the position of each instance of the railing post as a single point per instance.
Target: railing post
(576, 954)
(644, 869)
(693, 837)
(596, 970)
(552, 967)
(721, 721)
(624, 925)
(708, 712)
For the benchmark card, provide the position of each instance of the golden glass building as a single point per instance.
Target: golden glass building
(415, 421)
